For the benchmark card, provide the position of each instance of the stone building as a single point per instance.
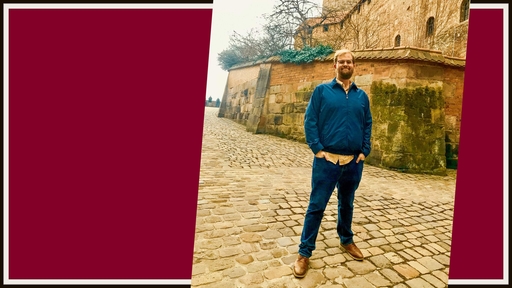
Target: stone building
(368, 24)
(415, 94)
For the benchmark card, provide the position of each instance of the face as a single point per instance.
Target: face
(344, 66)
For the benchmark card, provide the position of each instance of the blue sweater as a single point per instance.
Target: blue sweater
(336, 122)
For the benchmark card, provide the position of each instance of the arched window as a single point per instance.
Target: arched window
(464, 10)
(397, 40)
(430, 26)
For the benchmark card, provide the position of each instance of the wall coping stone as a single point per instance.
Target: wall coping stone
(394, 53)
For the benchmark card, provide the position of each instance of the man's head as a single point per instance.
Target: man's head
(344, 62)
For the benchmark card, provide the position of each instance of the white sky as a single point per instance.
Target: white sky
(229, 16)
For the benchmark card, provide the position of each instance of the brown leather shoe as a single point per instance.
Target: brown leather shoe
(300, 267)
(354, 251)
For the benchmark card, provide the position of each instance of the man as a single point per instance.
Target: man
(338, 125)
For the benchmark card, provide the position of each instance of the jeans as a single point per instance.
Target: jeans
(325, 177)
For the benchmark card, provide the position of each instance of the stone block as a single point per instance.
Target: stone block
(363, 79)
(272, 98)
(274, 108)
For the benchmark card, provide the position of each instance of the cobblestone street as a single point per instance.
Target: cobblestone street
(253, 193)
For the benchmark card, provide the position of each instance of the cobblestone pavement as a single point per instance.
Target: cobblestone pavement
(253, 193)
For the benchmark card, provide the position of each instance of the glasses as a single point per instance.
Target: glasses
(345, 61)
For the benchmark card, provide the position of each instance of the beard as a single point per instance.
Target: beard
(345, 74)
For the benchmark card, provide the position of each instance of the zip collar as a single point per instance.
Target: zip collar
(334, 83)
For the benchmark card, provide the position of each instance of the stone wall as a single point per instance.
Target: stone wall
(408, 131)
(239, 92)
(285, 90)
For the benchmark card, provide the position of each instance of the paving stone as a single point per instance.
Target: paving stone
(380, 261)
(375, 251)
(231, 241)
(360, 267)
(393, 257)
(387, 248)
(392, 275)
(206, 279)
(443, 259)
(213, 219)
(332, 273)
(250, 237)
(363, 244)
(248, 248)
(445, 245)
(285, 282)
(405, 255)
(423, 251)
(198, 269)
(256, 267)
(210, 244)
(234, 272)
(418, 283)
(416, 265)
(441, 275)
(287, 260)
(430, 263)
(397, 246)
(244, 259)
(378, 242)
(376, 279)
(278, 272)
(255, 228)
(255, 215)
(317, 263)
(371, 227)
(318, 254)
(279, 252)
(222, 284)
(284, 241)
(376, 234)
(333, 242)
(263, 256)
(215, 234)
(333, 251)
(431, 249)
(406, 270)
(252, 278)
(434, 281)
(268, 245)
(437, 247)
(312, 279)
(220, 264)
(228, 252)
(359, 282)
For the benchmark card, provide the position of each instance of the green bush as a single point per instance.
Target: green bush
(306, 55)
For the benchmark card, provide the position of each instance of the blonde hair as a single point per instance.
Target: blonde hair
(341, 52)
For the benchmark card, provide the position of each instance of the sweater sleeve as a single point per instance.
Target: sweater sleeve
(367, 132)
(311, 118)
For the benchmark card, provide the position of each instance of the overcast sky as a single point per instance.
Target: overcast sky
(229, 16)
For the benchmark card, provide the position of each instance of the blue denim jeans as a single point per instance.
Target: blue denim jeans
(325, 177)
